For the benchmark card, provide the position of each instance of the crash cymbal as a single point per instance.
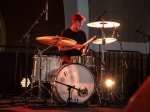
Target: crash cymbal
(107, 40)
(106, 24)
(56, 41)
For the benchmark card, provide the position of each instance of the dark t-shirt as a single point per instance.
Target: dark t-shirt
(79, 37)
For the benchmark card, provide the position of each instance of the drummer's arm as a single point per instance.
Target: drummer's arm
(65, 48)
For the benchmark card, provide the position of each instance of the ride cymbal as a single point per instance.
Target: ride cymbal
(56, 41)
(105, 24)
(105, 40)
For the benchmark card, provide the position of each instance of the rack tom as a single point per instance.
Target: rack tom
(88, 61)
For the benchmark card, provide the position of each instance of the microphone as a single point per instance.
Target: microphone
(82, 92)
(46, 18)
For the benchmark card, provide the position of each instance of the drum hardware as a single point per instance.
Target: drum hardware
(47, 78)
(103, 24)
(29, 92)
(88, 61)
(27, 36)
(82, 92)
(40, 85)
(99, 18)
(124, 63)
(148, 52)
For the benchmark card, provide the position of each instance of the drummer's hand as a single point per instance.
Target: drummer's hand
(77, 46)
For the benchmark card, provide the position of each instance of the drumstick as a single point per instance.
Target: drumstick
(71, 47)
(88, 41)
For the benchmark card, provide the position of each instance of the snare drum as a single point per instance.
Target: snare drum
(88, 61)
(49, 65)
(75, 75)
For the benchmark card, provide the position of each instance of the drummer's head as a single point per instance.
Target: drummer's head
(77, 20)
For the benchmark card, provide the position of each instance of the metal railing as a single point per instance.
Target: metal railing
(13, 60)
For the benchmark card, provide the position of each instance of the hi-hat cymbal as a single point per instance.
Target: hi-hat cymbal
(106, 24)
(106, 40)
(56, 41)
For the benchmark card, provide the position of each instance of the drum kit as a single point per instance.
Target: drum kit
(73, 82)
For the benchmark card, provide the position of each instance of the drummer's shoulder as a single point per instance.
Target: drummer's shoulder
(64, 32)
(66, 29)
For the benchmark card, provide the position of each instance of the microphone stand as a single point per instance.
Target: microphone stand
(149, 49)
(69, 89)
(27, 36)
(124, 63)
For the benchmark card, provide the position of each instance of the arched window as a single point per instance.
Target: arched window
(2, 31)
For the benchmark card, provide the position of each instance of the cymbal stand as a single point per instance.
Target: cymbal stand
(27, 36)
(100, 92)
(40, 85)
(103, 70)
(102, 61)
(40, 66)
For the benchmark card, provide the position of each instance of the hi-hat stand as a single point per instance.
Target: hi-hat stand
(109, 94)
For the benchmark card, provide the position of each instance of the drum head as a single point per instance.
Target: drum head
(78, 76)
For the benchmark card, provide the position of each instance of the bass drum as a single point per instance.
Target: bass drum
(75, 75)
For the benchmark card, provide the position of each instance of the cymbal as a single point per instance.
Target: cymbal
(56, 41)
(107, 40)
(106, 24)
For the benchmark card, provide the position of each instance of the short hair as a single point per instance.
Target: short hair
(78, 17)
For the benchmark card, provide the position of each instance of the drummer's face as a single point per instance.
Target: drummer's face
(78, 25)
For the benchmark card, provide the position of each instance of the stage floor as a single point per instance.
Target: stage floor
(88, 109)
(11, 105)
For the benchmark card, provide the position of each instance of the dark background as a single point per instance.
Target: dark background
(20, 15)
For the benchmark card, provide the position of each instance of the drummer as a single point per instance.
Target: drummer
(74, 32)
